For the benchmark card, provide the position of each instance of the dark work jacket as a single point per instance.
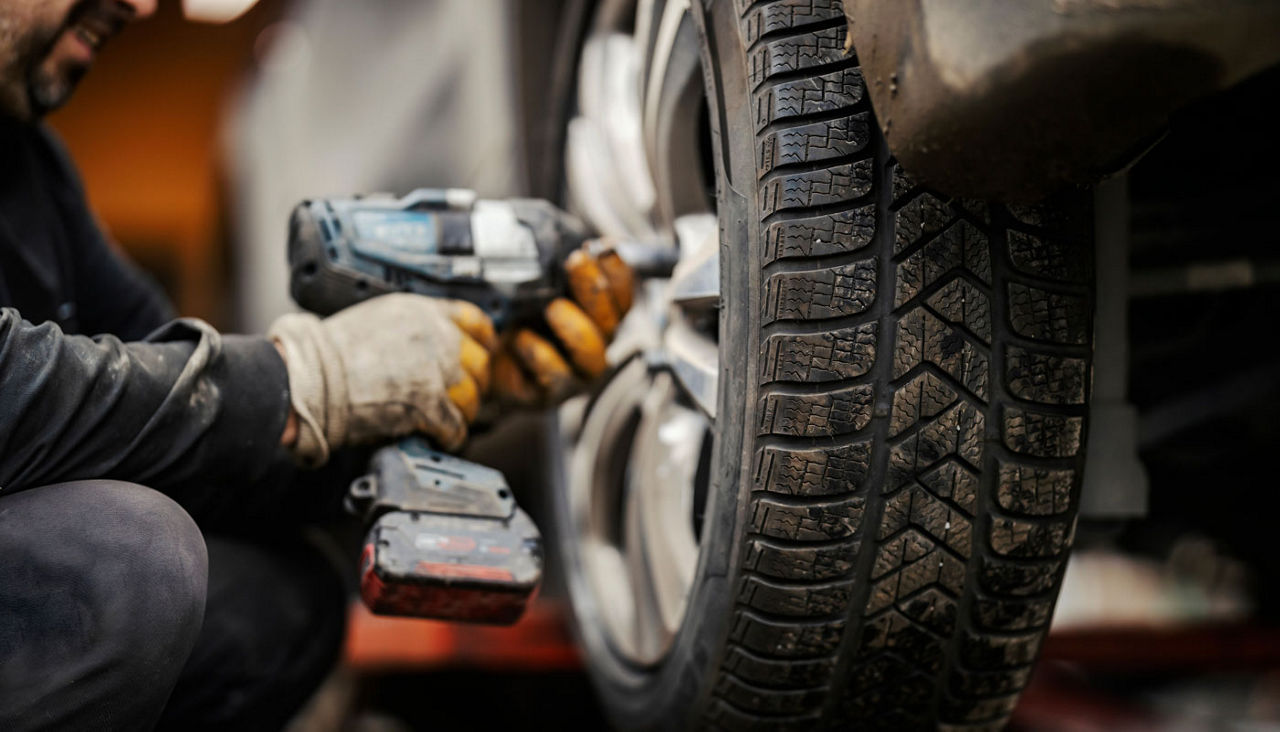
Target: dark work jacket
(95, 380)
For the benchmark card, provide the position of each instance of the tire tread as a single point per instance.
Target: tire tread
(952, 360)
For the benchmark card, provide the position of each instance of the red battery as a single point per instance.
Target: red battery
(445, 539)
(477, 570)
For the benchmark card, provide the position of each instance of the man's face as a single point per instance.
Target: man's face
(47, 45)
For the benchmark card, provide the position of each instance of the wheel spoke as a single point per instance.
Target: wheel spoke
(696, 279)
(607, 568)
(648, 631)
(694, 290)
(695, 362)
(609, 178)
(674, 13)
(668, 446)
(593, 491)
(672, 102)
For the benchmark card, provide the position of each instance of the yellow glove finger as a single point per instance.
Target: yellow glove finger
(541, 359)
(474, 322)
(591, 290)
(465, 395)
(579, 336)
(622, 281)
(475, 361)
(510, 384)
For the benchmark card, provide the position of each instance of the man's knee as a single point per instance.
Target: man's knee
(148, 547)
(152, 540)
(103, 585)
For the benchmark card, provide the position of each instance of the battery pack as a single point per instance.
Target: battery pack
(446, 539)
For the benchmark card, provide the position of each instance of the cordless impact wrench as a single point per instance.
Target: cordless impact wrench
(445, 538)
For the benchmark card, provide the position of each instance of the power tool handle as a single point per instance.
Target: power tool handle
(314, 284)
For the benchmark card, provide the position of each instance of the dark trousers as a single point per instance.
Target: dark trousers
(117, 613)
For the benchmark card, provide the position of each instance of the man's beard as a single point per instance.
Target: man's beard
(46, 92)
(13, 97)
(26, 89)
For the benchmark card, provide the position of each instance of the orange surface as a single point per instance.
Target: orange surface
(539, 641)
(143, 128)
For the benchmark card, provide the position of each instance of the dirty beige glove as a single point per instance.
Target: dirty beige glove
(531, 370)
(384, 368)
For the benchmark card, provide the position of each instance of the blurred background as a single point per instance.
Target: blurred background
(196, 140)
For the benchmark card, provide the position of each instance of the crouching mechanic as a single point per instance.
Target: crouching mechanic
(152, 570)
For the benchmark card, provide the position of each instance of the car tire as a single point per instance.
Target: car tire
(902, 413)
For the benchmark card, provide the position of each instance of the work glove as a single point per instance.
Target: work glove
(533, 370)
(384, 368)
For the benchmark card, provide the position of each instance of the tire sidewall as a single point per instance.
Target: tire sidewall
(674, 693)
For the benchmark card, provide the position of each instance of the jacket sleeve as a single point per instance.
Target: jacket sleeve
(186, 412)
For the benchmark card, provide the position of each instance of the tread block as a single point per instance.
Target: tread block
(1012, 614)
(902, 184)
(990, 653)
(814, 142)
(957, 431)
(892, 706)
(785, 15)
(1048, 316)
(818, 94)
(922, 398)
(933, 609)
(816, 522)
(817, 472)
(769, 700)
(923, 337)
(988, 683)
(796, 53)
(1029, 539)
(819, 294)
(1067, 216)
(960, 302)
(955, 482)
(826, 414)
(800, 563)
(844, 353)
(795, 673)
(1042, 435)
(1034, 491)
(796, 600)
(815, 236)
(916, 507)
(974, 209)
(723, 716)
(908, 563)
(977, 711)
(918, 218)
(1045, 378)
(959, 245)
(792, 639)
(922, 648)
(997, 576)
(877, 666)
(838, 184)
(1049, 258)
